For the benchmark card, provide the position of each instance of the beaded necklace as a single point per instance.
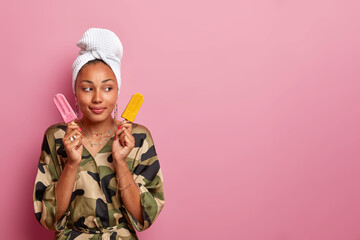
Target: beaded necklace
(109, 135)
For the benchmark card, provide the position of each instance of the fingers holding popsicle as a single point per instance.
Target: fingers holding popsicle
(126, 137)
(124, 129)
(124, 141)
(73, 139)
(73, 142)
(73, 131)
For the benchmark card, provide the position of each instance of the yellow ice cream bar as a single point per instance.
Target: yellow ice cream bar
(133, 107)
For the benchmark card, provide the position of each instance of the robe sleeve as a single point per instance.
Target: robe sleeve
(44, 198)
(147, 174)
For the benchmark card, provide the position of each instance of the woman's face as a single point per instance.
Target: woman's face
(96, 91)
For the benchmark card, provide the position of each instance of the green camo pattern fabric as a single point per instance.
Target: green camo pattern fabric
(96, 210)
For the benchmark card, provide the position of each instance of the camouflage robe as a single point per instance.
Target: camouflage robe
(96, 210)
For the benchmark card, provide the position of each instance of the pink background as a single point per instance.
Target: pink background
(253, 107)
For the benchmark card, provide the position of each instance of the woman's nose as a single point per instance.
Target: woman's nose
(97, 98)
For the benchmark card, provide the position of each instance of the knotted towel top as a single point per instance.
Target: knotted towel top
(99, 43)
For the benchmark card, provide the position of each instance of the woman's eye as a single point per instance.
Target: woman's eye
(108, 88)
(87, 89)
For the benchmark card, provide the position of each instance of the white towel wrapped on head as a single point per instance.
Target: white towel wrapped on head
(99, 43)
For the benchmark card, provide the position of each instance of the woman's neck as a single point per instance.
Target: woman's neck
(98, 127)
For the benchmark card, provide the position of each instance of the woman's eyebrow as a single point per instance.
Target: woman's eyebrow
(88, 81)
(108, 80)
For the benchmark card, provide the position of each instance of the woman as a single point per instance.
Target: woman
(98, 178)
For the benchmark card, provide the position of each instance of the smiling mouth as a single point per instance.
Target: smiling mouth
(97, 110)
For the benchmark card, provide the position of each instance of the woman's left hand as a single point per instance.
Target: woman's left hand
(123, 142)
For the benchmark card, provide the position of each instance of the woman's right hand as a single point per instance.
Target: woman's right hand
(73, 148)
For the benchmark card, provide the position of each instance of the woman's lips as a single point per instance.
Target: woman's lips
(97, 110)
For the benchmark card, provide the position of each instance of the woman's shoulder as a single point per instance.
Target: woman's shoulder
(139, 128)
(56, 129)
(141, 134)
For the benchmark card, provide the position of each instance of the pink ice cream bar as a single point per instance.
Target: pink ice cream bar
(64, 108)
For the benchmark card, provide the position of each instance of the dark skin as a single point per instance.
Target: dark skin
(96, 93)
